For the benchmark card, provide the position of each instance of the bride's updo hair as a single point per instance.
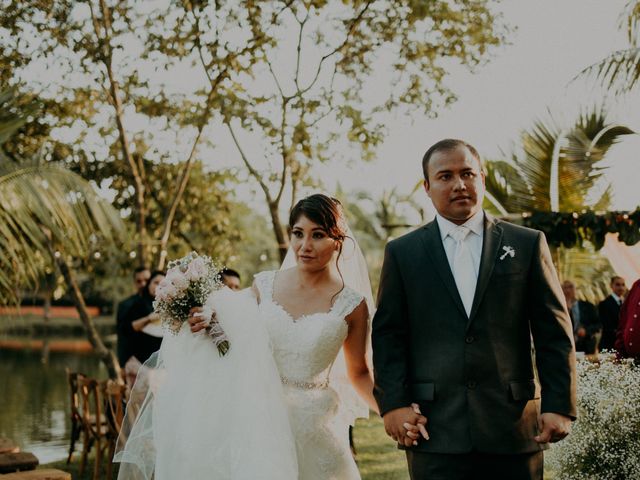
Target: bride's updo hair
(324, 211)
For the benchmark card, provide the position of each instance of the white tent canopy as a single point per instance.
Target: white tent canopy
(624, 259)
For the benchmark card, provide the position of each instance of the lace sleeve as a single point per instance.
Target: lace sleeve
(263, 282)
(347, 302)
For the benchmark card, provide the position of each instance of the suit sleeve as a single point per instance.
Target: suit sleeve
(390, 341)
(603, 311)
(552, 335)
(123, 317)
(592, 323)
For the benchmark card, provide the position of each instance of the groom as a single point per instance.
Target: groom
(472, 326)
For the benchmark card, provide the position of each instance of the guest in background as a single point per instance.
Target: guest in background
(609, 313)
(584, 317)
(141, 314)
(140, 278)
(230, 278)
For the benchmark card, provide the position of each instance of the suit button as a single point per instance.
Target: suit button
(469, 339)
(471, 384)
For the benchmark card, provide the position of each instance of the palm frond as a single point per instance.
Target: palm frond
(619, 72)
(630, 21)
(42, 202)
(587, 145)
(604, 200)
(507, 188)
(555, 166)
(534, 162)
(12, 117)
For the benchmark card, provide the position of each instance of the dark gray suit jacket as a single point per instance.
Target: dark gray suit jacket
(475, 378)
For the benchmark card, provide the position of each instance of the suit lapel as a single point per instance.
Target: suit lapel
(435, 250)
(490, 249)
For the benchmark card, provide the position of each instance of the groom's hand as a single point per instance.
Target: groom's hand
(553, 427)
(402, 423)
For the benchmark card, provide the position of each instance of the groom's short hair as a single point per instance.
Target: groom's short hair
(446, 145)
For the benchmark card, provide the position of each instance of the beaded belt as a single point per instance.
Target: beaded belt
(304, 385)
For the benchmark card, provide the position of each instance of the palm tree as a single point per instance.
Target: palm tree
(620, 70)
(48, 216)
(555, 169)
(558, 170)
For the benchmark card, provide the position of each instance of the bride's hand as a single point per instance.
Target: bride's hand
(196, 320)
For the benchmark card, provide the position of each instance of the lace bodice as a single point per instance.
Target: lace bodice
(305, 348)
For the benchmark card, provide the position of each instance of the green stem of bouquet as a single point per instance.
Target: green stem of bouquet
(223, 348)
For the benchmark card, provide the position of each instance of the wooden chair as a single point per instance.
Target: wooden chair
(77, 428)
(114, 395)
(94, 422)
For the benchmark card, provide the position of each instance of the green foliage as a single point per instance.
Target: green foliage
(588, 227)
(295, 74)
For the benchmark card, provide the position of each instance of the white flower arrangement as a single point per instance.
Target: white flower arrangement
(189, 282)
(605, 438)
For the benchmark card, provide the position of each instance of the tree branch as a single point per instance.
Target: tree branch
(283, 151)
(299, 49)
(254, 173)
(136, 170)
(182, 185)
(352, 28)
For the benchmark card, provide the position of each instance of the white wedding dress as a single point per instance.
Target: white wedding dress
(306, 351)
(207, 417)
(276, 407)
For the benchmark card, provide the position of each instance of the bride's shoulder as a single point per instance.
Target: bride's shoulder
(350, 301)
(262, 282)
(264, 274)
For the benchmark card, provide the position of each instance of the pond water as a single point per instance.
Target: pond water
(34, 400)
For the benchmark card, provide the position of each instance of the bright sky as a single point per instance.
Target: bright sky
(554, 40)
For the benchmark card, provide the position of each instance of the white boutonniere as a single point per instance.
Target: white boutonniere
(508, 251)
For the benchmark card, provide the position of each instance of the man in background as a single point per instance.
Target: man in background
(584, 317)
(609, 313)
(140, 278)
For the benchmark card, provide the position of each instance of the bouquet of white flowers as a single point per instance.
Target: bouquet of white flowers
(189, 281)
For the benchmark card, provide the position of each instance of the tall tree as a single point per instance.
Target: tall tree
(304, 80)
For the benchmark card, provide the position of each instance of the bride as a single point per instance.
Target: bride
(280, 403)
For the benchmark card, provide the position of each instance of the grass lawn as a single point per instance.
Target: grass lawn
(378, 458)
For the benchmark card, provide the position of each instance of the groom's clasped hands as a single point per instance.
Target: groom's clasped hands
(406, 425)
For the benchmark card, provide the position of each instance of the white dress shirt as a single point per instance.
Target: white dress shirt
(473, 241)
